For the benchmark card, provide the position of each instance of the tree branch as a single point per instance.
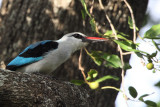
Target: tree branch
(20, 89)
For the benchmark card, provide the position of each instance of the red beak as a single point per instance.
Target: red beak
(95, 39)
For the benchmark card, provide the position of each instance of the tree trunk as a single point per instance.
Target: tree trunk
(23, 22)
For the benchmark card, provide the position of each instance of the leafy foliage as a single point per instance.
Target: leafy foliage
(106, 78)
(153, 32)
(128, 46)
(92, 74)
(85, 8)
(150, 103)
(130, 22)
(158, 84)
(133, 92)
(112, 60)
(141, 97)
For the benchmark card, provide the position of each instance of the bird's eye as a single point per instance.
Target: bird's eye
(78, 36)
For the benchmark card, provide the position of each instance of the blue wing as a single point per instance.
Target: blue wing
(21, 61)
(32, 53)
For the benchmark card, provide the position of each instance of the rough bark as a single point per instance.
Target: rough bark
(24, 22)
(29, 90)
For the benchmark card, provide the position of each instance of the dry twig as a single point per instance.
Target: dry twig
(82, 68)
(133, 20)
(119, 48)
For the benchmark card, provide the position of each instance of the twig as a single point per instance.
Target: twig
(82, 68)
(155, 45)
(111, 87)
(140, 37)
(133, 20)
(112, 27)
(91, 9)
(119, 48)
(127, 53)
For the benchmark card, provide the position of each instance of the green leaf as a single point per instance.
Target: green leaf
(153, 32)
(130, 23)
(156, 45)
(108, 33)
(106, 78)
(92, 21)
(119, 35)
(125, 45)
(85, 7)
(158, 104)
(92, 74)
(127, 66)
(150, 103)
(112, 60)
(77, 82)
(123, 34)
(128, 46)
(133, 92)
(122, 37)
(153, 54)
(83, 14)
(93, 24)
(96, 57)
(97, 61)
(141, 97)
(139, 54)
(158, 84)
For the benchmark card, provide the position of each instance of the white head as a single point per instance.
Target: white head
(78, 40)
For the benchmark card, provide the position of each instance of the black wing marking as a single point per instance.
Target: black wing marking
(39, 48)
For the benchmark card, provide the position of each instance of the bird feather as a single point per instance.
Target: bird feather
(32, 53)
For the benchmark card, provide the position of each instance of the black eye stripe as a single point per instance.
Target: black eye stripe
(78, 36)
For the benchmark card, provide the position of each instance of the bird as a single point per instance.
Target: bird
(47, 55)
